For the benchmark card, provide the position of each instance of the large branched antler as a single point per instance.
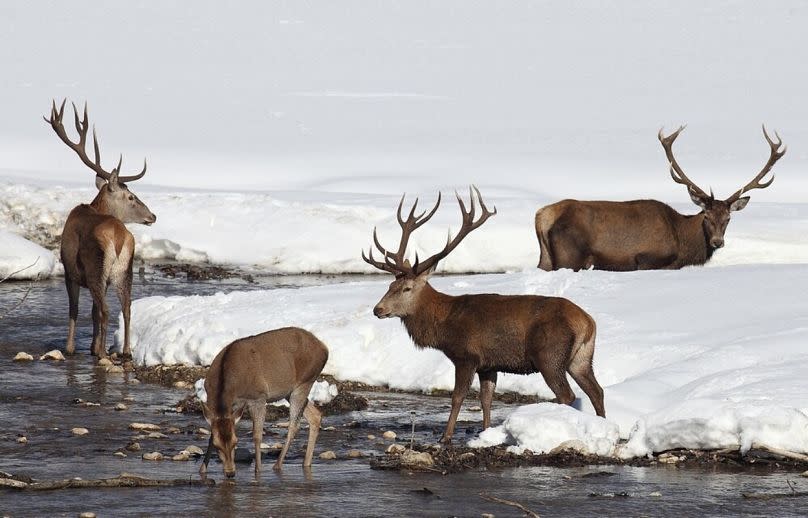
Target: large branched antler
(82, 127)
(676, 171)
(777, 150)
(397, 264)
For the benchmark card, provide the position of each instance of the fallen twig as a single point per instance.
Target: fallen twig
(19, 303)
(783, 453)
(770, 496)
(511, 503)
(123, 480)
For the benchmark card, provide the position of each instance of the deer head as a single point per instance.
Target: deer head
(223, 435)
(716, 211)
(114, 197)
(403, 295)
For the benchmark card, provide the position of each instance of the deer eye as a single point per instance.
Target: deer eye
(131, 198)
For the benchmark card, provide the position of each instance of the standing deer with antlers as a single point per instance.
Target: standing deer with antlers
(642, 234)
(486, 333)
(97, 249)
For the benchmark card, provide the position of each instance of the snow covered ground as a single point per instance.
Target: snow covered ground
(693, 358)
(282, 147)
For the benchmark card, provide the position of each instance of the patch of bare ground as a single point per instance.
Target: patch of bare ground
(454, 459)
(200, 272)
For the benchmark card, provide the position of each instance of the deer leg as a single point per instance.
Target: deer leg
(73, 313)
(464, 373)
(488, 382)
(96, 328)
(258, 412)
(124, 289)
(298, 400)
(203, 469)
(313, 417)
(580, 369)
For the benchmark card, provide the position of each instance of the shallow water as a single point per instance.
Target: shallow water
(37, 400)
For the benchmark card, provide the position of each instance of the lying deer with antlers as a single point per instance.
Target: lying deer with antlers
(642, 234)
(97, 249)
(486, 333)
(249, 373)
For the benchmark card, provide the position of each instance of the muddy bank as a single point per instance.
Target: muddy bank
(455, 459)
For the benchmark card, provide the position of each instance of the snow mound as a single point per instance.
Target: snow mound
(544, 427)
(27, 259)
(695, 358)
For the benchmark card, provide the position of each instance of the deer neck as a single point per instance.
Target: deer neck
(101, 204)
(427, 323)
(695, 249)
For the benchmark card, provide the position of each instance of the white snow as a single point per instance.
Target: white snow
(22, 259)
(281, 148)
(701, 357)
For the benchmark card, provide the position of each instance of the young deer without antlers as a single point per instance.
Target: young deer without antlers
(249, 373)
(642, 234)
(486, 333)
(97, 249)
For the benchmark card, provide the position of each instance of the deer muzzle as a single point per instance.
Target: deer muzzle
(380, 312)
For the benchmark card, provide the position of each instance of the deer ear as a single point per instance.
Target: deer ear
(100, 182)
(739, 204)
(114, 185)
(698, 200)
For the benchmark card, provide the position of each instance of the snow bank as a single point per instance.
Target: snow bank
(546, 426)
(303, 232)
(691, 358)
(27, 259)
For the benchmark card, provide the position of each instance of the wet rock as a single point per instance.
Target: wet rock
(120, 407)
(120, 454)
(371, 437)
(79, 431)
(155, 455)
(104, 362)
(203, 431)
(389, 435)
(395, 449)
(475, 409)
(669, 458)
(22, 439)
(133, 446)
(355, 454)
(804, 474)
(114, 369)
(284, 424)
(416, 459)
(465, 456)
(487, 515)
(328, 429)
(87, 514)
(194, 450)
(55, 355)
(134, 381)
(173, 430)
(129, 398)
(146, 427)
(23, 357)
(157, 435)
(328, 455)
(182, 384)
(570, 445)
(181, 456)
(655, 494)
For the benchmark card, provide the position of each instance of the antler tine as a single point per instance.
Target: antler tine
(377, 264)
(776, 152)
(82, 127)
(676, 171)
(468, 225)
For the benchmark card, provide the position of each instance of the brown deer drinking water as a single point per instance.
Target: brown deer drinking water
(254, 371)
(97, 249)
(486, 333)
(642, 234)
